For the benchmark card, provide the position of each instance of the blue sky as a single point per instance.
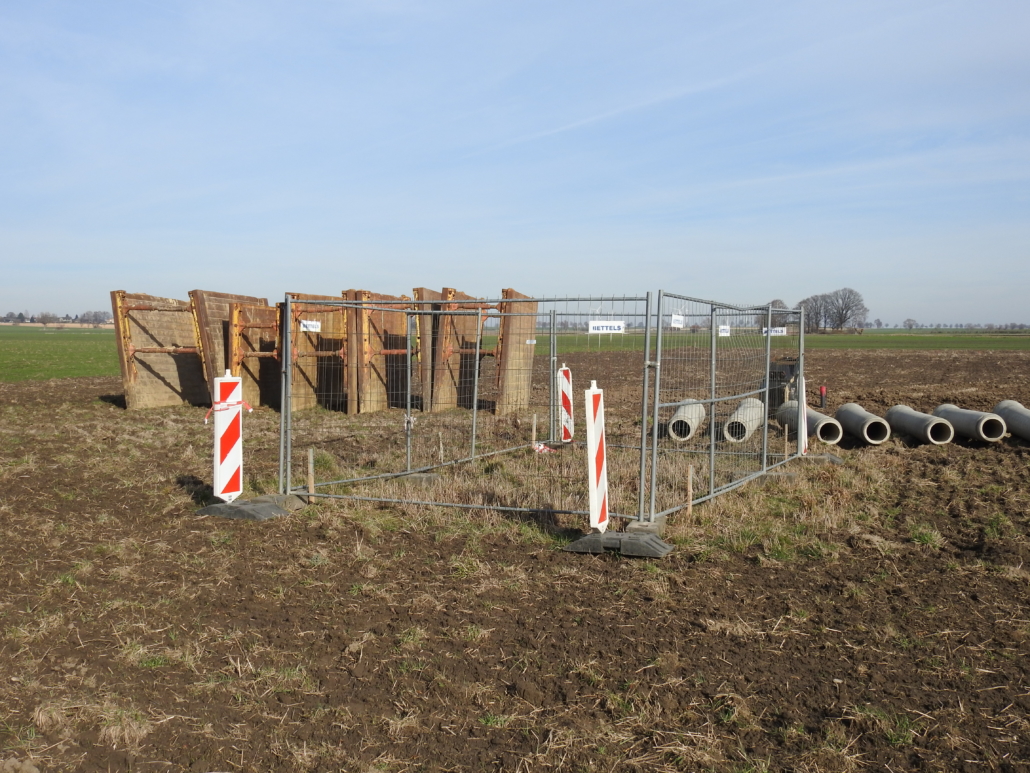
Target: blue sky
(740, 151)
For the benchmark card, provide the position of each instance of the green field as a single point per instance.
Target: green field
(37, 353)
(926, 340)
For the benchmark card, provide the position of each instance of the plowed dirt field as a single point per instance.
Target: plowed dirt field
(868, 615)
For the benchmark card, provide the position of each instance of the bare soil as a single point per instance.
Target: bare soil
(137, 635)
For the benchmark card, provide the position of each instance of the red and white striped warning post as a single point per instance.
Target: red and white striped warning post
(564, 378)
(227, 407)
(597, 463)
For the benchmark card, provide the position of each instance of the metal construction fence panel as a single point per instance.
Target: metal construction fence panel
(723, 372)
(458, 403)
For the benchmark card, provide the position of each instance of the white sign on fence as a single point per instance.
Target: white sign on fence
(677, 321)
(310, 326)
(776, 331)
(609, 326)
(724, 331)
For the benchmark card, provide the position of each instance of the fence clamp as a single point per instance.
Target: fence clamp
(409, 423)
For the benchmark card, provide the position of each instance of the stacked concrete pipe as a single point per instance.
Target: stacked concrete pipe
(822, 428)
(1016, 417)
(975, 425)
(744, 421)
(864, 425)
(686, 421)
(922, 426)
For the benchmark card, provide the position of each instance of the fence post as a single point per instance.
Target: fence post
(407, 407)
(286, 398)
(552, 404)
(655, 402)
(711, 422)
(475, 378)
(800, 380)
(643, 408)
(768, 356)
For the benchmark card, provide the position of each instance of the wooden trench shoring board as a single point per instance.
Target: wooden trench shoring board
(254, 351)
(377, 368)
(516, 345)
(455, 353)
(158, 351)
(319, 357)
(427, 327)
(447, 349)
(212, 313)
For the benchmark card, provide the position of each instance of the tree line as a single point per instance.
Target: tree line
(48, 318)
(838, 310)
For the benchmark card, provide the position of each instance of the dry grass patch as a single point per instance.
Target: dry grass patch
(119, 726)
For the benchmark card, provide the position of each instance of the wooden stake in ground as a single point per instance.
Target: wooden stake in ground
(311, 475)
(690, 492)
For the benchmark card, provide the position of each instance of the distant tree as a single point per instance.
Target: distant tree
(845, 308)
(10, 316)
(910, 324)
(97, 318)
(46, 318)
(878, 323)
(815, 307)
(21, 316)
(778, 320)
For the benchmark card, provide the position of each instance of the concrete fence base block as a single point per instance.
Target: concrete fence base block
(822, 458)
(777, 477)
(624, 542)
(258, 509)
(646, 527)
(422, 478)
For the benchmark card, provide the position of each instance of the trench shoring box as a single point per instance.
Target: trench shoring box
(158, 351)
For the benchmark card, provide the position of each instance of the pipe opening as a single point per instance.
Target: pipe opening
(680, 430)
(941, 432)
(828, 432)
(992, 429)
(877, 431)
(736, 430)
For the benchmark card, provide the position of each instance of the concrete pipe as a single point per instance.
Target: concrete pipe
(686, 421)
(975, 425)
(865, 426)
(922, 426)
(820, 427)
(745, 420)
(1017, 418)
